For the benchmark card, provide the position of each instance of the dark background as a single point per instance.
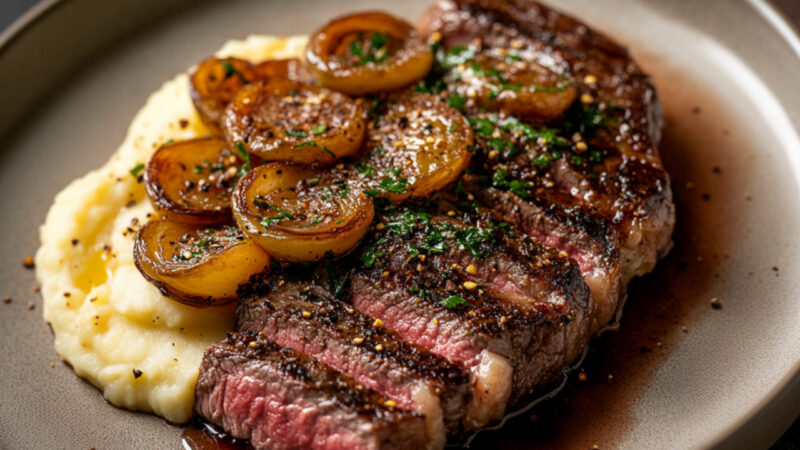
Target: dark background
(10, 10)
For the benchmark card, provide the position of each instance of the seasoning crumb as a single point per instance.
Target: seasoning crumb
(379, 348)
(183, 123)
(696, 110)
(472, 270)
(582, 376)
(75, 242)
(28, 262)
(716, 169)
(52, 364)
(390, 403)
(358, 340)
(378, 323)
(774, 268)
(306, 314)
(36, 289)
(137, 373)
(715, 303)
(470, 285)
(595, 447)
(7, 299)
(31, 305)
(610, 377)
(684, 329)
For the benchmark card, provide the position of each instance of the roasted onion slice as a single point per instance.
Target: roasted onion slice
(514, 86)
(194, 179)
(281, 120)
(297, 215)
(215, 81)
(195, 264)
(416, 145)
(368, 52)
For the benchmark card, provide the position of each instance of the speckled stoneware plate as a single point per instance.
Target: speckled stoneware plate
(678, 374)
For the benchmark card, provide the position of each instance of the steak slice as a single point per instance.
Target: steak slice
(556, 221)
(512, 311)
(307, 318)
(599, 161)
(279, 398)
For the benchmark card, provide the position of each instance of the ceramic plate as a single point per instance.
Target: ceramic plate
(678, 374)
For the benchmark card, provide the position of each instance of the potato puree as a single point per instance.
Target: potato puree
(115, 329)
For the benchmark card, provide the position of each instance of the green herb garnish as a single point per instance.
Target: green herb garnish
(454, 301)
(136, 169)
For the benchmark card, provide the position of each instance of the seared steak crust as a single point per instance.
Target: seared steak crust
(308, 319)
(598, 163)
(462, 283)
(279, 398)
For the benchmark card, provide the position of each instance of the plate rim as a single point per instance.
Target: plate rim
(735, 436)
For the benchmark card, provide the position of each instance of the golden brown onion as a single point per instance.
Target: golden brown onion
(215, 81)
(368, 52)
(193, 180)
(296, 215)
(280, 120)
(195, 264)
(516, 87)
(417, 145)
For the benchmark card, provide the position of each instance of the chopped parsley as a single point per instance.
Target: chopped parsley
(454, 301)
(484, 127)
(364, 168)
(136, 169)
(198, 169)
(230, 71)
(320, 129)
(500, 180)
(455, 56)
(377, 52)
(475, 240)
(369, 255)
(394, 184)
(456, 101)
(296, 133)
(282, 214)
(245, 157)
(314, 144)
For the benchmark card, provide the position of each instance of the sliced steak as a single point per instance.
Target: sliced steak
(512, 311)
(279, 398)
(598, 161)
(307, 318)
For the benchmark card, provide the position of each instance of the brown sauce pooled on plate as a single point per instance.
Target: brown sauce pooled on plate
(595, 407)
(202, 436)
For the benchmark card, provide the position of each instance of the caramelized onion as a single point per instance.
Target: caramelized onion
(516, 87)
(368, 52)
(295, 215)
(215, 81)
(416, 145)
(194, 179)
(194, 264)
(280, 120)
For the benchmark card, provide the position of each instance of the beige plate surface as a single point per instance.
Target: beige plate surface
(72, 77)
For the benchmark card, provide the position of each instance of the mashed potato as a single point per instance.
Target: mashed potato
(141, 349)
